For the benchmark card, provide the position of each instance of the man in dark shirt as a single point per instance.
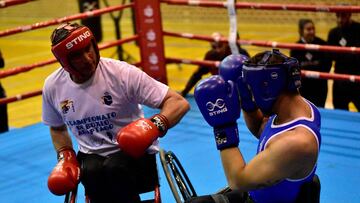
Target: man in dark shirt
(314, 90)
(3, 107)
(219, 50)
(346, 34)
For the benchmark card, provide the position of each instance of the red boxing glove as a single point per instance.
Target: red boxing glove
(136, 137)
(66, 175)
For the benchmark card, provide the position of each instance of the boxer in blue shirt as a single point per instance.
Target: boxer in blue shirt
(265, 87)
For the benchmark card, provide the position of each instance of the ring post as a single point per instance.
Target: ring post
(151, 42)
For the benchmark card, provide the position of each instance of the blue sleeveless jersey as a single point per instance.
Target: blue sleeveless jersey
(287, 190)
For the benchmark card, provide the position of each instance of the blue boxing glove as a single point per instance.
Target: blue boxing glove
(231, 69)
(219, 104)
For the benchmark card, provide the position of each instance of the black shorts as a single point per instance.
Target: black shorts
(117, 177)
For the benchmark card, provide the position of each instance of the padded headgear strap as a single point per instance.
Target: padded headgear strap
(268, 74)
(68, 38)
(276, 60)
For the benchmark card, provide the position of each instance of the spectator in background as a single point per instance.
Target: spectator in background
(94, 22)
(3, 107)
(346, 34)
(314, 90)
(219, 50)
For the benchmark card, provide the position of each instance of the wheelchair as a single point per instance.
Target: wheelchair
(176, 177)
(147, 182)
(183, 191)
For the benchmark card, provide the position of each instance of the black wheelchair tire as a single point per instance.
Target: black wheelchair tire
(169, 178)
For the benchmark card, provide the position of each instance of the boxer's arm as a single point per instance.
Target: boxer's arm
(174, 107)
(137, 136)
(255, 121)
(292, 154)
(60, 137)
(66, 174)
(231, 69)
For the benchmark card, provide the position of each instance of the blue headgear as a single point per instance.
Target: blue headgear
(268, 74)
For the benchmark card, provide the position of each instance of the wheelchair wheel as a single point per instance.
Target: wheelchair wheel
(71, 197)
(176, 176)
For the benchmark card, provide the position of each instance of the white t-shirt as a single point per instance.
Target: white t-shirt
(97, 109)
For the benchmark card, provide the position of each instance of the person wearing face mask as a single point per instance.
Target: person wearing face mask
(346, 34)
(315, 90)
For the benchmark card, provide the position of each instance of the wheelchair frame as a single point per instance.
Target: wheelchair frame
(71, 197)
(175, 173)
(180, 184)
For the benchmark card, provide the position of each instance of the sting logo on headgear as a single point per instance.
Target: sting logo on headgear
(274, 75)
(69, 38)
(78, 39)
(107, 99)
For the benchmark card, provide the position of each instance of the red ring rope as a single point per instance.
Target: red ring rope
(22, 69)
(6, 3)
(20, 97)
(298, 7)
(267, 6)
(273, 44)
(304, 73)
(63, 19)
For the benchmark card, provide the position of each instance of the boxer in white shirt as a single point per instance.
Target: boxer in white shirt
(99, 100)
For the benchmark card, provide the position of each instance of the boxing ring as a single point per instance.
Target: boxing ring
(27, 155)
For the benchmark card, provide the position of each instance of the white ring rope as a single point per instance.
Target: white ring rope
(232, 26)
